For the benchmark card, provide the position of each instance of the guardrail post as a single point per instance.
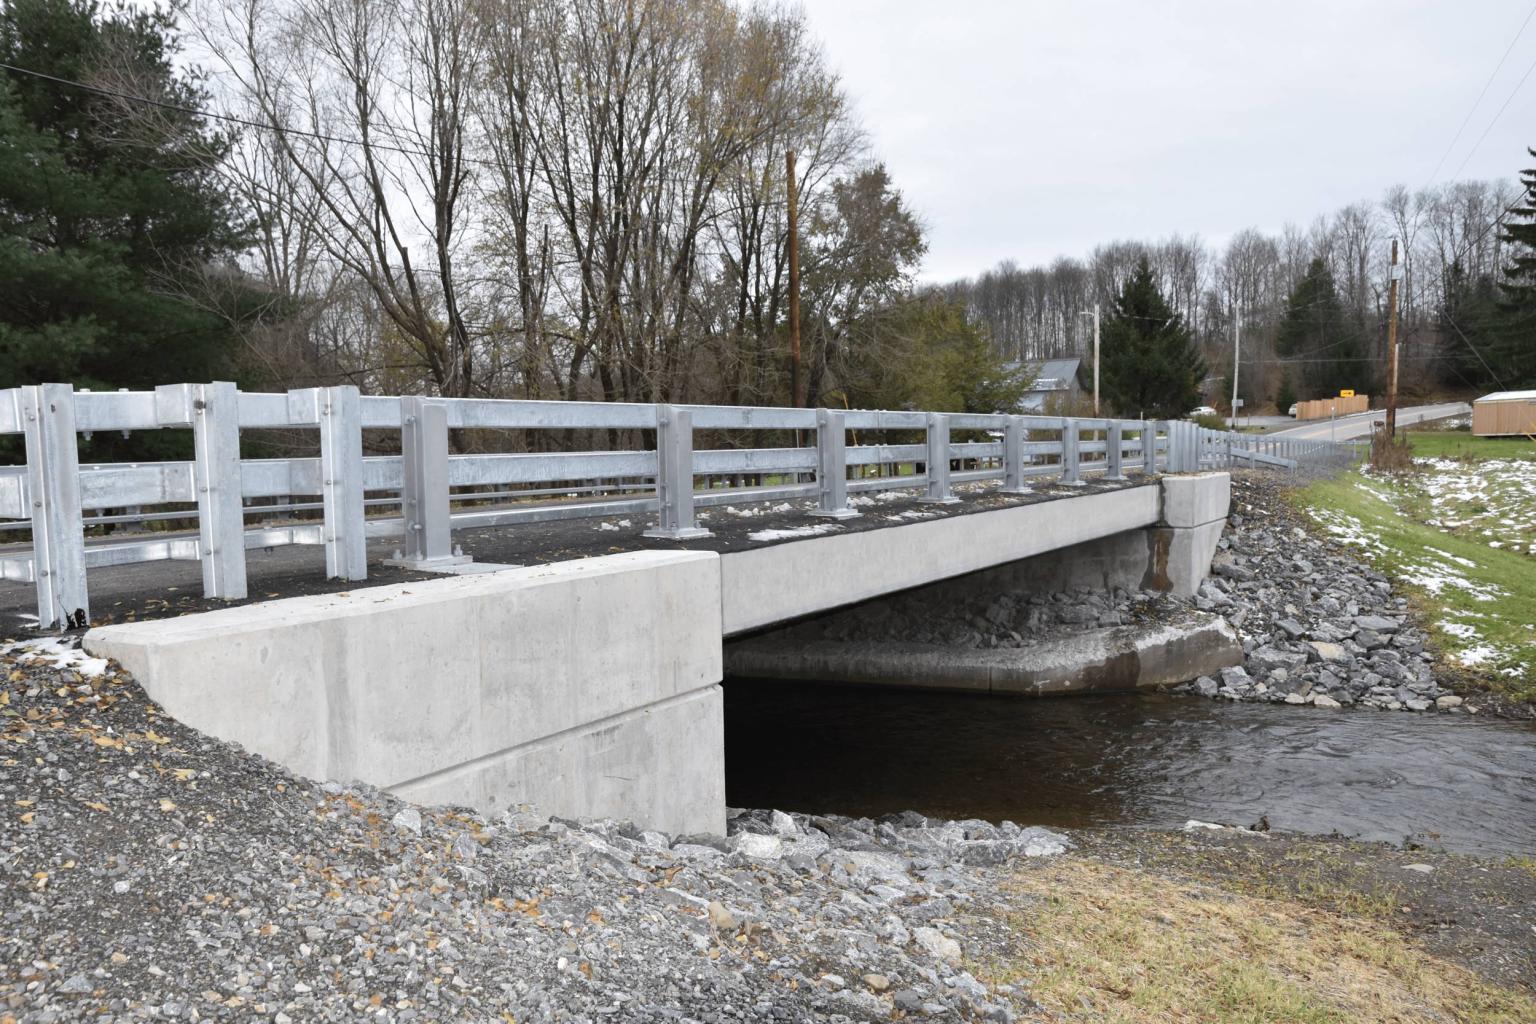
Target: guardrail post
(424, 501)
(938, 462)
(1115, 437)
(1148, 447)
(1071, 466)
(213, 413)
(53, 489)
(341, 477)
(1013, 457)
(832, 465)
(674, 476)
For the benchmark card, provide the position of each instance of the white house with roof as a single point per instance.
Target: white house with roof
(1051, 377)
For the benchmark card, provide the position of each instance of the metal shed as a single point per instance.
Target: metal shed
(1504, 413)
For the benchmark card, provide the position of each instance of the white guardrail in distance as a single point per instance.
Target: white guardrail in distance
(55, 498)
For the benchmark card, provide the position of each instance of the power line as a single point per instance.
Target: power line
(1302, 361)
(1507, 100)
(387, 147)
(1475, 103)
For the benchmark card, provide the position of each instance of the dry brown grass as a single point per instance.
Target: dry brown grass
(1104, 943)
(1391, 455)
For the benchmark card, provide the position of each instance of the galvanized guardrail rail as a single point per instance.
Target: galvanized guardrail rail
(52, 494)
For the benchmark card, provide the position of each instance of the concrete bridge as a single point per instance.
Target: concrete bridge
(591, 686)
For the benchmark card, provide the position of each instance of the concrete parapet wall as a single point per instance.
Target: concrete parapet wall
(589, 688)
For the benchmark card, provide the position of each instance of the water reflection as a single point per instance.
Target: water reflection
(1447, 780)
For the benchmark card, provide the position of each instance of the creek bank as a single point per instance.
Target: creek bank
(1315, 626)
(1143, 928)
(148, 871)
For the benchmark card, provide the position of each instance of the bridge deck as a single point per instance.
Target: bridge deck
(167, 588)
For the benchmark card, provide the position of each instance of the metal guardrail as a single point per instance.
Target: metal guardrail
(1229, 448)
(51, 494)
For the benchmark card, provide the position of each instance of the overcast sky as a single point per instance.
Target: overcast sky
(1030, 129)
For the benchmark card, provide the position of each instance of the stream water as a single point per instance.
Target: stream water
(1453, 781)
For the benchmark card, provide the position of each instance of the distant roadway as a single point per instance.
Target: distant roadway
(1347, 428)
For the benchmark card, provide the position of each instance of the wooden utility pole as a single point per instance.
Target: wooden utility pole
(794, 278)
(1392, 347)
(1237, 356)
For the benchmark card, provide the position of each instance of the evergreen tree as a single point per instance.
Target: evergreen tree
(1285, 394)
(107, 207)
(1150, 365)
(1317, 334)
(1472, 327)
(1511, 350)
(932, 355)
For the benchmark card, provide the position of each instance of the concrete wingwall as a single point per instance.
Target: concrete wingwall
(590, 688)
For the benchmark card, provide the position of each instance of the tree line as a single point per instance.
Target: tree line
(546, 199)
(1310, 303)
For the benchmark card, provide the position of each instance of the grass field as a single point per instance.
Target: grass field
(1460, 533)
(1460, 444)
(1108, 944)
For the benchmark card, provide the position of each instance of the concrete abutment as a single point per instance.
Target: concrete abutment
(591, 688)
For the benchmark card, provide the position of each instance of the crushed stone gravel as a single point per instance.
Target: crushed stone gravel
(149, 872)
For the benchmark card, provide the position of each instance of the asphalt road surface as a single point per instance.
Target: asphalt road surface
(1346, 428)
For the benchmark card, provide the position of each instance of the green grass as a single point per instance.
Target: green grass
(1458, 444)
(1480, 601)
